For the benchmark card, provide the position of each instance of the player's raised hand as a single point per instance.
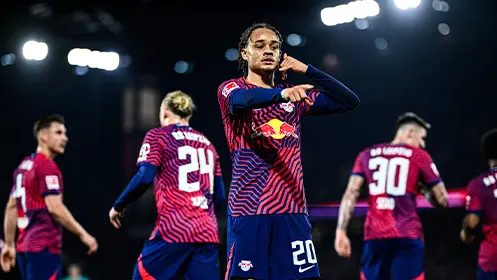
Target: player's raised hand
(114, 216)
(290, 63)
(342, 244)
(297, 94)
(8, 258)
(90, 242)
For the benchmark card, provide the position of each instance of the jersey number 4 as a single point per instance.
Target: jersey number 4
(201, 161)
(390, 176)
(20, 192)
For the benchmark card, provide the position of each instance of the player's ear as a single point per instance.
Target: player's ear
(43, 135)
(243, 53)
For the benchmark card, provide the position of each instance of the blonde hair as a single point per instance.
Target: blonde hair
(179, 103)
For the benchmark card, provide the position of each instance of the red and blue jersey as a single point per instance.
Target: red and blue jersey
(36, 177)
(482, 200)
(263, 134)
(187, 164)
(392, 173)
(267, 175)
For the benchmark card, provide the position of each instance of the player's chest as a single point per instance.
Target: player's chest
(276, 121)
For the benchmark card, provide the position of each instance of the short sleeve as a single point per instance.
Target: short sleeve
(306, 109)
(473, 202)
(223, 95)
(50, 181)
(358, 168)
(428, 169)
(151, 149)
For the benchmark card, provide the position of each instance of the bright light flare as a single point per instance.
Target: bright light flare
(359, 9)
(34, 50)
(93, 59)
(407, 4)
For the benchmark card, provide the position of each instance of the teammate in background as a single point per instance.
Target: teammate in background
(269, 233)
(185, 169)
(35, 204)
(393, 233)
(482, 204)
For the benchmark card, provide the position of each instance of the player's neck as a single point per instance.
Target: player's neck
(492, 163)
(261, 80)
(179, 121)
(45, 151)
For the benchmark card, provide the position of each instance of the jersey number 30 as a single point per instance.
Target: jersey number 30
(390, 176)
(201, 161)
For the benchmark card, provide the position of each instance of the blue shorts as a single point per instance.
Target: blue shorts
(36, 266)
(486, 275)
(161, 260)
(276, 247)
(402, 256)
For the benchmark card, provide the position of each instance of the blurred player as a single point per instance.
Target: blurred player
(392, 231)
(269, 232)
(36, 205)
(185, 169)
(482, 204)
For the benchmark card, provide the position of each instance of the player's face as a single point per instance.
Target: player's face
(56, 138)
(263, 52)
(419, 137)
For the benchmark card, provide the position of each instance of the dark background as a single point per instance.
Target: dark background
(448, 80)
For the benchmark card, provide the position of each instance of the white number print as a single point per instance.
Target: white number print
(198, 162)
(386, 173)
(20, 192)
(144, 151)
(309, 258)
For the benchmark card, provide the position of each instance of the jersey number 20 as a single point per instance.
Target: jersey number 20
(390, 176)
(201, 161)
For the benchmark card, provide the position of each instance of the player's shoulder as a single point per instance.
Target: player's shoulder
(157, 132)
(486, 178)
(226, 87)
(200, 137)
(42, 163)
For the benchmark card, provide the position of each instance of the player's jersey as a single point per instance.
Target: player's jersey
(482, 200)
(267, 175)
(187, 163)
(392, 173)
(36, 177)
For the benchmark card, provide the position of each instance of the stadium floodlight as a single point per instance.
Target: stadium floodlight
(93, 59)
(34, 50)
(359, 9)
(407, 4)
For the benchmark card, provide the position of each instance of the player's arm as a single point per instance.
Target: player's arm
(333, 97)
(254, 98)
(62, 215)
(9, 222)
(219, 191)
(136, 187)
(436, 193)
(472, 218)
(349, 200)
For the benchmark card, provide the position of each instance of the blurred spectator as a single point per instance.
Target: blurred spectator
(74, 273)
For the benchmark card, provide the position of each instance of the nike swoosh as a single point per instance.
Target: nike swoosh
(305, 269)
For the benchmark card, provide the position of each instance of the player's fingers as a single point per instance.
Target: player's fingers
(307, 86)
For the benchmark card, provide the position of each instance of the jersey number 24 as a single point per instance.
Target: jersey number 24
(201, 161)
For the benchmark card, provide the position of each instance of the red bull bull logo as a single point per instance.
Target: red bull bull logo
(275, 129)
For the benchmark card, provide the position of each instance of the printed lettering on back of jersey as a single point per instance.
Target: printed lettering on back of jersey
(52, 182)
(229, 88)
(144, 151)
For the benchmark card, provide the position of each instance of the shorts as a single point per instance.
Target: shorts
(40, 266)
(486, 275)
(276, 247)
(162, 261)
(404, 257)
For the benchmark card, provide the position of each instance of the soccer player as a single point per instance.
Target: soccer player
(185, 169)
(392, 230)
(36, 206)
(269, 233)
(482, 205)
